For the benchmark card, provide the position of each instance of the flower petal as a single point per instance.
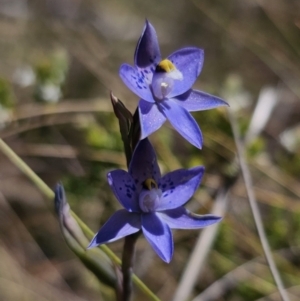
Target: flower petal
(136, 81)
(189, 62)
(124, 188)
(194, 100)
(182, 121)
(159, 235)
(147, 51)
(178, 187)
(181, 218)
(120, 224)
(143, 164)
(151, 118)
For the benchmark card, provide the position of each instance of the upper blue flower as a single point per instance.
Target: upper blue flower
(152, 203)
(164, 87)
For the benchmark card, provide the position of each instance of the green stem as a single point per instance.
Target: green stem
(25, 169)
(48, 192)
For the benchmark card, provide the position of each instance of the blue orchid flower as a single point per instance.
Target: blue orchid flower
(152, 203)
(164, 87)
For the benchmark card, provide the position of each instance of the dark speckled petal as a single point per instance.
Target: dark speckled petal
(144, 164)
(147, 51)
(178, 187)
(136, 82)
(124, 189)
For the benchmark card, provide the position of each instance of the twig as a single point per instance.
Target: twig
(255, 209)
(240, 274)
(267, 100)
(200, 251)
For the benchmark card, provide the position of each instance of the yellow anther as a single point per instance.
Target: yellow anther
(150, 183)
(165, 66)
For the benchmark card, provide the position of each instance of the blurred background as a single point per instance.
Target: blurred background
(59, 60)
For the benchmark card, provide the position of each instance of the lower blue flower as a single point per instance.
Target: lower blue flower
(153, 204)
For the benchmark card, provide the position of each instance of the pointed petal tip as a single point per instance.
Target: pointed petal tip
(219, 218)
(167, 260)
(202, 168)
(113, 98)
(93, 243)
(148, 24)
(197, 143)
(165, 257)
(214, 218)
(224, 103)
(200, 146)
